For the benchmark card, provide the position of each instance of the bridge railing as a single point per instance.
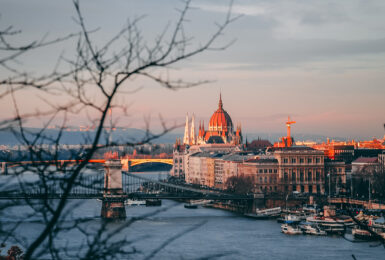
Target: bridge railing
(88, 186)
(165, 186)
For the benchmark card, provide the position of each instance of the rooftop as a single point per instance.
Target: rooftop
(294, 149)
(262, 160)
(366, 160)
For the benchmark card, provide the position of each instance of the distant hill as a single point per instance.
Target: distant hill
(274, 137)
(73, 137)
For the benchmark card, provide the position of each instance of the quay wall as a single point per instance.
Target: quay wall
(230, 207)
(292, 203)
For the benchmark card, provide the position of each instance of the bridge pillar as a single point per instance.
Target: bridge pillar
(113, 199)
(128, 165)
(125, 164)
(4, 168)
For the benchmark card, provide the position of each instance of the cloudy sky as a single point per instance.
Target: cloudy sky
(321, 62)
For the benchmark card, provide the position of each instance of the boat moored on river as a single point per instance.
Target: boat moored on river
(311, 229)
(291, 230)
(292, 219)
(190, 206)
(265, 213)
(330, 225)
(362, 234)
(135, 202)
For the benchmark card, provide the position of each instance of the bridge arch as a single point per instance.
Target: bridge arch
(127, 163)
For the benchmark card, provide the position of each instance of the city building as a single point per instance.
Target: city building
(200, 169)
(179, 152)
(220, 130)
(282, 170)
(336, 177)
(381, 159)
(214, 155)
(372, 144)
(340, 151)
(264, 171)
(301, 169)
(364, 165)
(258, 145)
(227, 166)
(219, 138)
(212, 169)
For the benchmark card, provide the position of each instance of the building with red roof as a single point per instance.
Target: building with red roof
(220, 130)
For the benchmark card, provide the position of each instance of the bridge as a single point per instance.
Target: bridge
(113, 188)
(127, 163)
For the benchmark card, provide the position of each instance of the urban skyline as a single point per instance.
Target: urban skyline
(319, 62)
(282, 108)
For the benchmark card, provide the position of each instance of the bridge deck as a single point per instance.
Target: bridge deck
(138, 196)
(136, 187)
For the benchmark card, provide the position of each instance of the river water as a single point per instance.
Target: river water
(174, 232)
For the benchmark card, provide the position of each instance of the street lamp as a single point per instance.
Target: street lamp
(329, 175)
(369, 190)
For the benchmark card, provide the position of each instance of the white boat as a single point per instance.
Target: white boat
(190, 206)
(375, 230)
(135, 202)
(332, 226)
(200, 202)
(292, 219)
(310, 229)
(361, 234)
(265, 213)
(290, 230)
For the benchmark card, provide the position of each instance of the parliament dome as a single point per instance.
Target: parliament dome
(220, 120)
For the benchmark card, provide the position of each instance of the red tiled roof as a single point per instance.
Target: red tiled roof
(259, 144)
(366, 160)
(221, 118)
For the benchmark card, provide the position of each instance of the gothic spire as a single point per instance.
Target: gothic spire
(220, 105)
(192, 133)
(186, 138)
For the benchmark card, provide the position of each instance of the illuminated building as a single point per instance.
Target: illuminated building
(220, 130)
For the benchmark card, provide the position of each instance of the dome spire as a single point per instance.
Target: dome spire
(220, 105)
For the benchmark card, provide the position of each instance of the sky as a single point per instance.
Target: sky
(320, 62)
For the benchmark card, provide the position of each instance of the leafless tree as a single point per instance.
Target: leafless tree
(243, 184)
(90, 82)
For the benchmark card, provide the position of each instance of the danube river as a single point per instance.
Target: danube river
(174, 232)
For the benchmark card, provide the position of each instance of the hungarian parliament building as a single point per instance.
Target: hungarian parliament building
(220, 131)
(218, 153)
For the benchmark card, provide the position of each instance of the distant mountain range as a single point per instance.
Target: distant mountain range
(73, 137)
(274, 137)
(8, 137)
